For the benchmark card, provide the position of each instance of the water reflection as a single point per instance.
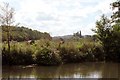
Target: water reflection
(81, 70)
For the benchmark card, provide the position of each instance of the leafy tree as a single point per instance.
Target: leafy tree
(108, 33)
(116, 28)
(116, 14)
(104, 31)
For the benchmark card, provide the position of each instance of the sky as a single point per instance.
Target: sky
(60, 17)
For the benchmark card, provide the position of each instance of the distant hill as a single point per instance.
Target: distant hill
(23, 34)
(68, 37)
(63, 37)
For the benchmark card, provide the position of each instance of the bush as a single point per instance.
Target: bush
(6, 57)
(16, 57)
(98, 53)
(92, 52)
(47, 57)
(69, 55)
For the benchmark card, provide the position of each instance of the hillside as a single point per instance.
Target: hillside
(23, 34)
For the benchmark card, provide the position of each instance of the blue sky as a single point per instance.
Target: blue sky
(60, 17)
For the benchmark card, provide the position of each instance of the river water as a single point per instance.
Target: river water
(73, 70)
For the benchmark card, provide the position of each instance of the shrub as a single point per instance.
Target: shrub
(70, 55)
(92, 52)
(6, 57)
(27, 57)
(46, 56)
(98, 53)
(16, 57)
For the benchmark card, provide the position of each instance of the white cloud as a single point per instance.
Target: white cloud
(59, 17)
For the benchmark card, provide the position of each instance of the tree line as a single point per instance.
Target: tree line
(23, 34)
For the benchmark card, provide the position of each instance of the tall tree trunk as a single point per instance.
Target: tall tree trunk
(8, 40)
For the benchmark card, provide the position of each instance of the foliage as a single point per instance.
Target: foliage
(69, 55)
(116, 29)
(47, 57)
(116, 14)
(24, 34)
(42, 54)
(108, 33)
(104, 31)
(16, 57)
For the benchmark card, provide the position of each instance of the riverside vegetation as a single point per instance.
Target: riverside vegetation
(44, 52)
(103, 46)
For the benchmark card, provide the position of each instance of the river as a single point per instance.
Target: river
(73, 70)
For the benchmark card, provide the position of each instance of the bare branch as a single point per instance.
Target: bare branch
(6, 15)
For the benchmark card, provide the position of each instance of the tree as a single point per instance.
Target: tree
(116, 27)
(116, 14)
(7, 19)
(108, 33)
(103, 31)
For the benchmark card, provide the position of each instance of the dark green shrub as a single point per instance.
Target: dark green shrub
(69, 55)
(89, 57)
(16, 57)
(92, 52)
(98, 53)
(25, 57)
(47, 57)
(6, 57)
